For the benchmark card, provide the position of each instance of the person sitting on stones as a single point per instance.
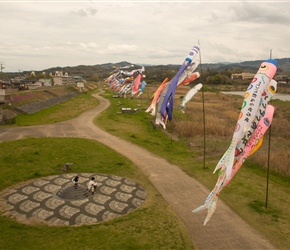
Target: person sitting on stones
(92, 185)
(75, 180)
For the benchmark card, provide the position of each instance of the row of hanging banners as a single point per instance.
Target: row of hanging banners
(254, 119)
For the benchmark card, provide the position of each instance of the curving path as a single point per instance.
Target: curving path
(225, 230)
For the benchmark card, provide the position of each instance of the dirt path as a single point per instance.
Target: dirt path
(225, 230)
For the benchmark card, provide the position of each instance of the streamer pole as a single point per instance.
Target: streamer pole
(268, 168)
(203, 108)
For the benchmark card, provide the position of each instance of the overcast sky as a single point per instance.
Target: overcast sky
(36, 35)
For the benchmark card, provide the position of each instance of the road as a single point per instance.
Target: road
(225, 230)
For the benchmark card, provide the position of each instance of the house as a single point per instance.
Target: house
(243, 76)
(34, 85)
(45, 81)
(281, 79)
(64, 79)
(3, 84)
(2, 101)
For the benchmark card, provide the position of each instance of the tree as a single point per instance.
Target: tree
(95, 78)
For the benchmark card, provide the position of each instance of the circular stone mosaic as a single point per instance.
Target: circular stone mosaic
(54, 200)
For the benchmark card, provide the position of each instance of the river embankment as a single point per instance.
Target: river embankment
(282, 97)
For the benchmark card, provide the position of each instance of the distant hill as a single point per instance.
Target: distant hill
(104, 70)
(252, 66)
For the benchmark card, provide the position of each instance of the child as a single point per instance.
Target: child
(92, 185)
(75, 180)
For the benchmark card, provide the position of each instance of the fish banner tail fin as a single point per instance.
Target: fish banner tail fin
(200, 208)
(210, 205)
(206, 203)
(181, 108)
(151, 110)
(228, 158)
(159, 121)
(210, 210)
(218, 166)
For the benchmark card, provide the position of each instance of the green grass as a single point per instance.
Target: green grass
(246, 193)
(72, 107)
(31, 158)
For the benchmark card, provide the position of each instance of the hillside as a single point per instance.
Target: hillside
(252, 66)
(152, 71)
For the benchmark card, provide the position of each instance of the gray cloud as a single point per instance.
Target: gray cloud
(85, 12)
(42, 35)
(261, 12)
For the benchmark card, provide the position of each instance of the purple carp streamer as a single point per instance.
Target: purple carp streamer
(166, 91)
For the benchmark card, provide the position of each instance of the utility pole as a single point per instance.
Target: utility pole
(1, 67)
(2, 96)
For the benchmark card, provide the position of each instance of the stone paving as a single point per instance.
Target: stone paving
(54, 200)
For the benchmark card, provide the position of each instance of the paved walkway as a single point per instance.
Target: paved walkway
(54, 200)
(225, 230)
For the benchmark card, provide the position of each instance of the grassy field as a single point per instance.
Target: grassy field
(60, 112)
(183, 144)
(31, 158)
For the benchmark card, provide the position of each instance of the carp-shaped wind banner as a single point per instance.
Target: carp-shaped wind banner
(126, 80)
(249, 111)
(187, 97)
(142, 88)
(165, 100)
(266, 97)
(156, 95)
(135, 84)
(255, 118)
